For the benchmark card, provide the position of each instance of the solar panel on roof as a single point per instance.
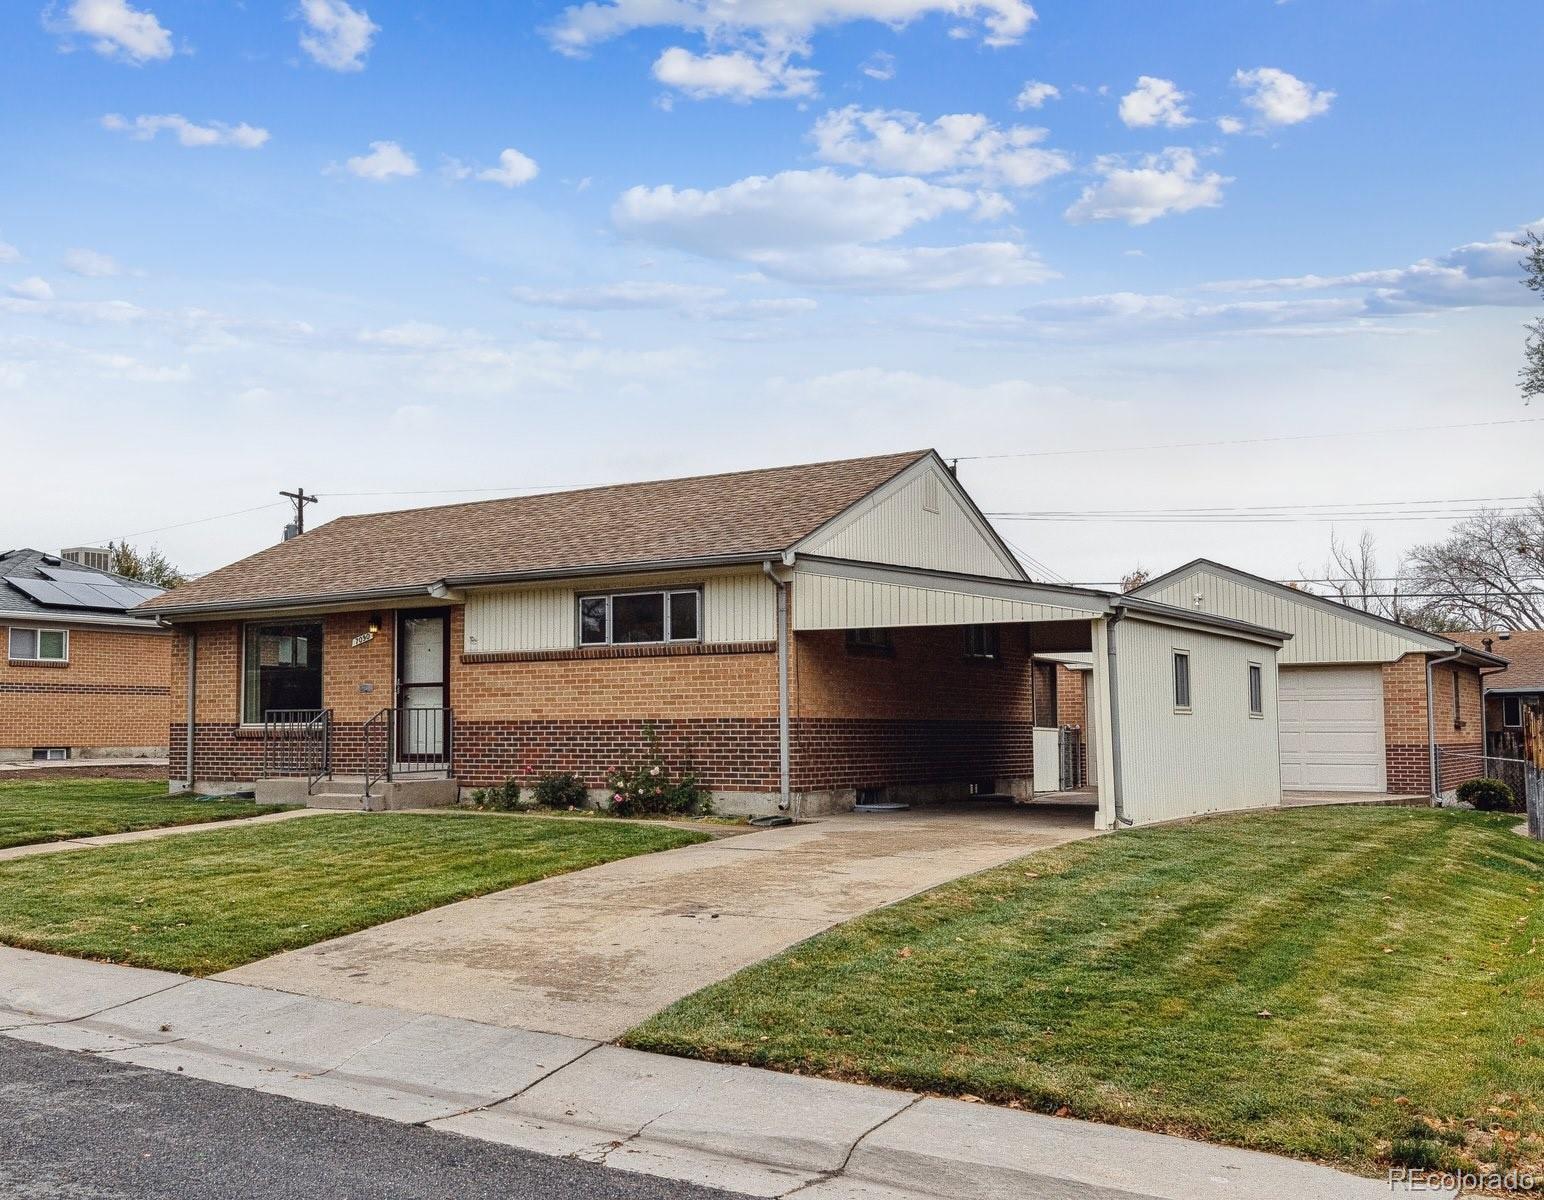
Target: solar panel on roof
(94, 578)
(45, 592)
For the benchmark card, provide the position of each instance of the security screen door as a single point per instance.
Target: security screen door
(423, 642)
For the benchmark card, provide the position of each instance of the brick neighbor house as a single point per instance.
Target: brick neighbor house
(1367, 704)
(82, 676)
(800, 637)
(1514, 690)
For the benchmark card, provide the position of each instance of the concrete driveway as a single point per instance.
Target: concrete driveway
(593, 953)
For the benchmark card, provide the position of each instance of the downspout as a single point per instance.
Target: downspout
(1431, 722)
(785, 795)
(192, 698)
(1113, 688)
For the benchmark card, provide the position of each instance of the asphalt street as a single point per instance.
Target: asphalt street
(88, 1128)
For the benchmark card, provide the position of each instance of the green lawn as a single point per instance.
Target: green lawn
(206, 902)
(50, 810)
(1358, 986)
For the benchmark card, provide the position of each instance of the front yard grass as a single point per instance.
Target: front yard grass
(206, 902)
(1357, 986)
(52, 810)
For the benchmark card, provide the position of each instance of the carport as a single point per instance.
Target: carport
(917, 684)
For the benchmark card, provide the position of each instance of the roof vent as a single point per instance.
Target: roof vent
(95, 557)
(52, 560)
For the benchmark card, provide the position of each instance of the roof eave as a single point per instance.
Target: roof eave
(489, 578)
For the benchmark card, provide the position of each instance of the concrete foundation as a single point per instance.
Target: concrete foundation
(24, 753)
(348, 793)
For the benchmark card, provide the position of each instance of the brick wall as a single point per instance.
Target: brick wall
(111, 694)
(1406, 732)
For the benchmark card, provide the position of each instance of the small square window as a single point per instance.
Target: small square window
(1512, 712)
(1182, 679)
(981, 641)
(50, 753)
(1256, 690)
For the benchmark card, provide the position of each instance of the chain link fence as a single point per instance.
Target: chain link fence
(1455, 765)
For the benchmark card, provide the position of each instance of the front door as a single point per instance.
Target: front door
(423, 691)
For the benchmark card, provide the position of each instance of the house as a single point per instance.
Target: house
(1367, 704)
(801, 637)
(82, 676)
(1511, 691)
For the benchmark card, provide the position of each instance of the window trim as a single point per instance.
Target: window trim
(1518, 702)
(665, 592)
(37, 644)
(1255, 676)
(241, 672)
(1177, 653)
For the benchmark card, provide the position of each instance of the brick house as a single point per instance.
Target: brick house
(1367, 704)
(1514, 690)
(82, 677)
(801, 637)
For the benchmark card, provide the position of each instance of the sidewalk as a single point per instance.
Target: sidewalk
(149, 835)
(758, 1132)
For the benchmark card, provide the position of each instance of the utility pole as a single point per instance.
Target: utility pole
(299, 499)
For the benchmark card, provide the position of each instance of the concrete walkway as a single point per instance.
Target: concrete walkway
(149, 835)
(593, 953)
(745, 1130)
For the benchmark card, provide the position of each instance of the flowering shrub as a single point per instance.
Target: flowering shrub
(560, 789)
(647, 788)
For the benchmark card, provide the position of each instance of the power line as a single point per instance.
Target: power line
(240, 512)
(1255, 441)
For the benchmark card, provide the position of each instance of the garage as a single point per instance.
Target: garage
(1332, 729)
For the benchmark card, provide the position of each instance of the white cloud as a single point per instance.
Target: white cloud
(337, 36)
(1230, 125)
(1034, 94)
(777, 22)
(819, 228)
(214, 133)
(116, 29)
(513, 170)
(879, 65)
(628, 294)
(386, 160)
(1165, 183)
(9, 253)
(1279, 98)
(735, 75)
(964, 147)
(91, 263)
(32, 288)
(1154, 101)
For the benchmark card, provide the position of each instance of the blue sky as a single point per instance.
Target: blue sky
(401, 249)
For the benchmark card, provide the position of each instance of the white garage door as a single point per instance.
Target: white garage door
(1332, 729)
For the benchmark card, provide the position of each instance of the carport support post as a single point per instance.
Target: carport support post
(1105, 713)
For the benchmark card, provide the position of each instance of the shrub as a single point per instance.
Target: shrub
(1489, 795)
(560, 789)
(647, 787)
(504, 798)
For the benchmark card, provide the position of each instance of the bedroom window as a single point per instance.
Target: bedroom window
(40, 645)
(281, 668)
(638, 618)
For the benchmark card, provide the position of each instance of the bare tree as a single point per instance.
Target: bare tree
(147, 566)
(1488, 573)
(1532, 374)
(1134, 579)
(1354, 570)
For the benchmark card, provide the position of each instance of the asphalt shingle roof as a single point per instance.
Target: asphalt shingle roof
(607, 528)
(1524, 652)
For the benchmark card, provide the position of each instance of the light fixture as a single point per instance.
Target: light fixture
(375, 622)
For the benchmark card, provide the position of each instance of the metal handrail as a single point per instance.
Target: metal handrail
(298, 741)
(386, 733)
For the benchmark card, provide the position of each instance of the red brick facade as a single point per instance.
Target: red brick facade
(925, 714)
(1406, 732)
(111, 694)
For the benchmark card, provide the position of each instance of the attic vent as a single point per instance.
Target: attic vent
(930, 493)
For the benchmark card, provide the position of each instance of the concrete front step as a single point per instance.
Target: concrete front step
(347, 793)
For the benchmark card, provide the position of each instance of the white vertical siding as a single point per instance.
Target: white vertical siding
(1319, 634)
(1215, 757)
(835, 602)
(737, 606)
(918, 521)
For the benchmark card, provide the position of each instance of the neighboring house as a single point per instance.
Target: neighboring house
(82, 677)
(1516, 689)
(799, 637)
(1367, 704)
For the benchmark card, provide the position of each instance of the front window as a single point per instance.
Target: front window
(40, 645)
(1182, 680)
(281, 668)
(638, 618)
(1512, 712)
